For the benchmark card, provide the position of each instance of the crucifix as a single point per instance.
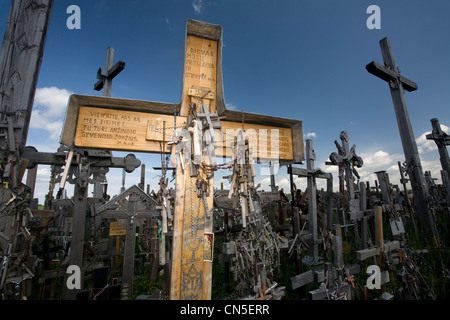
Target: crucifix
(132, 204)
(397, 84)
(442, 140)
(347, 159)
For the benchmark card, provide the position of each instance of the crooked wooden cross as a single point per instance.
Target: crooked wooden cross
(144, 126)
(397, 84)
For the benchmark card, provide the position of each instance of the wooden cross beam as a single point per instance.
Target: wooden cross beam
(390, 75)
(397, 84)
(134, 125)
(132, 204)
(34, 157)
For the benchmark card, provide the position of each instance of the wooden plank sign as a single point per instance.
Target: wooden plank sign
(200, 68)
(134, 125)
(123, 130)
(116, 229)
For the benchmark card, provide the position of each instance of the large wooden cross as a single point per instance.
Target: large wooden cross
(397, 84)
(20, 60)
(132, 204)
(144, 126)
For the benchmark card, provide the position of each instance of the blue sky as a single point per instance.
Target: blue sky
(299, 59)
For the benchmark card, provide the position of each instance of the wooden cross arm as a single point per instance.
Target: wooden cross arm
(110, 74)
(122, 214)
(301, 172)
(444, 137)
(386, 74)
(129, 162)
(116, 69)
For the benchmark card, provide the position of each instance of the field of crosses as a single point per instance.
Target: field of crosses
(193, 241)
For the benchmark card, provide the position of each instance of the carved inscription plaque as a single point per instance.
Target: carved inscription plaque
(138, 131)
(123, 130)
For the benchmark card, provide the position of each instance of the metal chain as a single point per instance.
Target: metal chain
(194, 214)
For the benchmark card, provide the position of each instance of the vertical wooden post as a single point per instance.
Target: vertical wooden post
(191, 275)
(379, 239)
(107, 83)
(20, 61)
(130, 238)
(312, 199)
(77, 240)
(31, 179)
(363, 207)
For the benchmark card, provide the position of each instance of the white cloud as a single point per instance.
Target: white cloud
(311, 135)
(378, 160)
(198, 6)
(231, 106)
(48, 110)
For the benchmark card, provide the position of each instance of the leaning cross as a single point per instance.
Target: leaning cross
(397, 83)
(132, 204)
(442, 140)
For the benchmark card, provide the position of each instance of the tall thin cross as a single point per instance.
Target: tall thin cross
(105, 75)
(397, 83)
(312, 202)
(442, 140)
